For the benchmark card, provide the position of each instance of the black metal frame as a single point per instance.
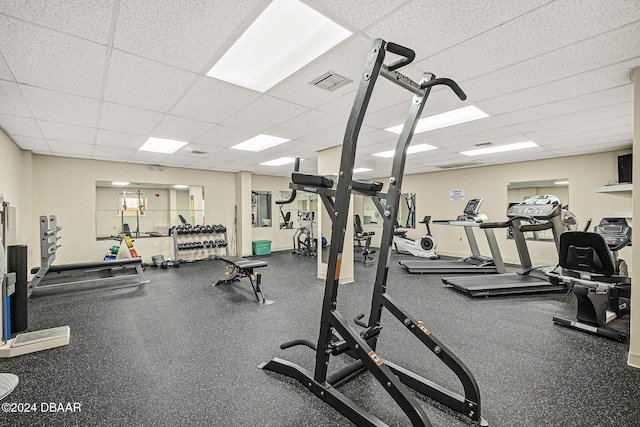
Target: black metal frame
(336, 335)
(241, 268)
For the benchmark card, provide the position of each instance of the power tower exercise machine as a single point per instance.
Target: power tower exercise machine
(536, 213)
(474, 263)
(337, 336)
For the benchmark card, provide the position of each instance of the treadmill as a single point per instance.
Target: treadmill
(476, 263)
(542, 213)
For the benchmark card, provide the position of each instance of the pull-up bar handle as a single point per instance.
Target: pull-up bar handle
(409, 55)
(292, 195)
(448, 82)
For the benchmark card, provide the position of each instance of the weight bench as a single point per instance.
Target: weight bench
(68, 274)
(238, 268)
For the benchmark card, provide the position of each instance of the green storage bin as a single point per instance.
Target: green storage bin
(261, 247)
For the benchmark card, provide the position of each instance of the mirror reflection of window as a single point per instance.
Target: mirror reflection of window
(260, 208)
(518, 191)
(146, 209)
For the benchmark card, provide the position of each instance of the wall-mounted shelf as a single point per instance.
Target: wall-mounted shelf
(614, 188)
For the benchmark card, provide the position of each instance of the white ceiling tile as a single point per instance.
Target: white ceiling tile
(213, 101)
(604, 78)
(355, 13)
(224, 136)
(306, 124)
(61, 107)
(20, 126)
(121, 118)
(181, 129)
(5, 73)
(588, 54)
(594, 125)
(13, 102)
(118, 140)
(619, 132)
(552, 26)
(328, 137)
(592, 100)
(45, 58)
(266, 112)
(139, 82)
(183, 35)
(147, 157)
(210, 163)
(38, 145)
(65, 132)
(90, 19)
(607, 112)
(73, 149)
(108, 152)
(177, 160)
(555, 72)
(347, 59)
(210, 150)
(340, 106)
(431, 26)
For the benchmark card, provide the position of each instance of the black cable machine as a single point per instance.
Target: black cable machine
(336, 335)
(544, 213)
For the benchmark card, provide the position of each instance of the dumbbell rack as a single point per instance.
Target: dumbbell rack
(198, 253)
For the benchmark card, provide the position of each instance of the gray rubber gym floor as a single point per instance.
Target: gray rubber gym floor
(178, 351)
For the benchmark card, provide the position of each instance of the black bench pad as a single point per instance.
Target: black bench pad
(243, 263)
(313, 180)
(366, 185)
(90, 265)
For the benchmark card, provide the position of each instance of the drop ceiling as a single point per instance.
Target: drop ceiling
(95, 78)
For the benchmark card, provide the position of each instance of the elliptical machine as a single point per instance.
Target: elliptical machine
(424, 248)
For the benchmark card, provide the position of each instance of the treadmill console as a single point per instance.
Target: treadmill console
(616, 232)
(538, 207)
(470, 212)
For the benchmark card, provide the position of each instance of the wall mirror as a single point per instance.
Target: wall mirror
(518, 191)
(406, 212)
(145, 209)
(260, 208)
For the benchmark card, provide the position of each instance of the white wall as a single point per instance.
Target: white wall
(15, 184)
(66, 187)
(490, 183)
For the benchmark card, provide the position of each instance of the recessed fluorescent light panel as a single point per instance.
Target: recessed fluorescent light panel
(120, 183)
(284, 38)
(180, 186)
(443, 120)
(500, 148)
(161, 145)
(360, 170)
(259, 143)
(561, 182)
(411, 150)
(279, 162)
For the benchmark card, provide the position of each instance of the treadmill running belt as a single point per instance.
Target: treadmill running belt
(503, 284)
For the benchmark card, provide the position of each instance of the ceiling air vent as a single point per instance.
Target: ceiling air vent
(460, 165)
(198, 152)
(484, 144)
(330, 81)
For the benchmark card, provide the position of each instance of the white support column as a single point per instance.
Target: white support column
(328, 164)
(634, 338)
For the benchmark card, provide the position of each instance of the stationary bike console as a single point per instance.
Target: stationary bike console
(616, 232)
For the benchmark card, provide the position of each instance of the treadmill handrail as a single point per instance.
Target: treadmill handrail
(536, 227)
